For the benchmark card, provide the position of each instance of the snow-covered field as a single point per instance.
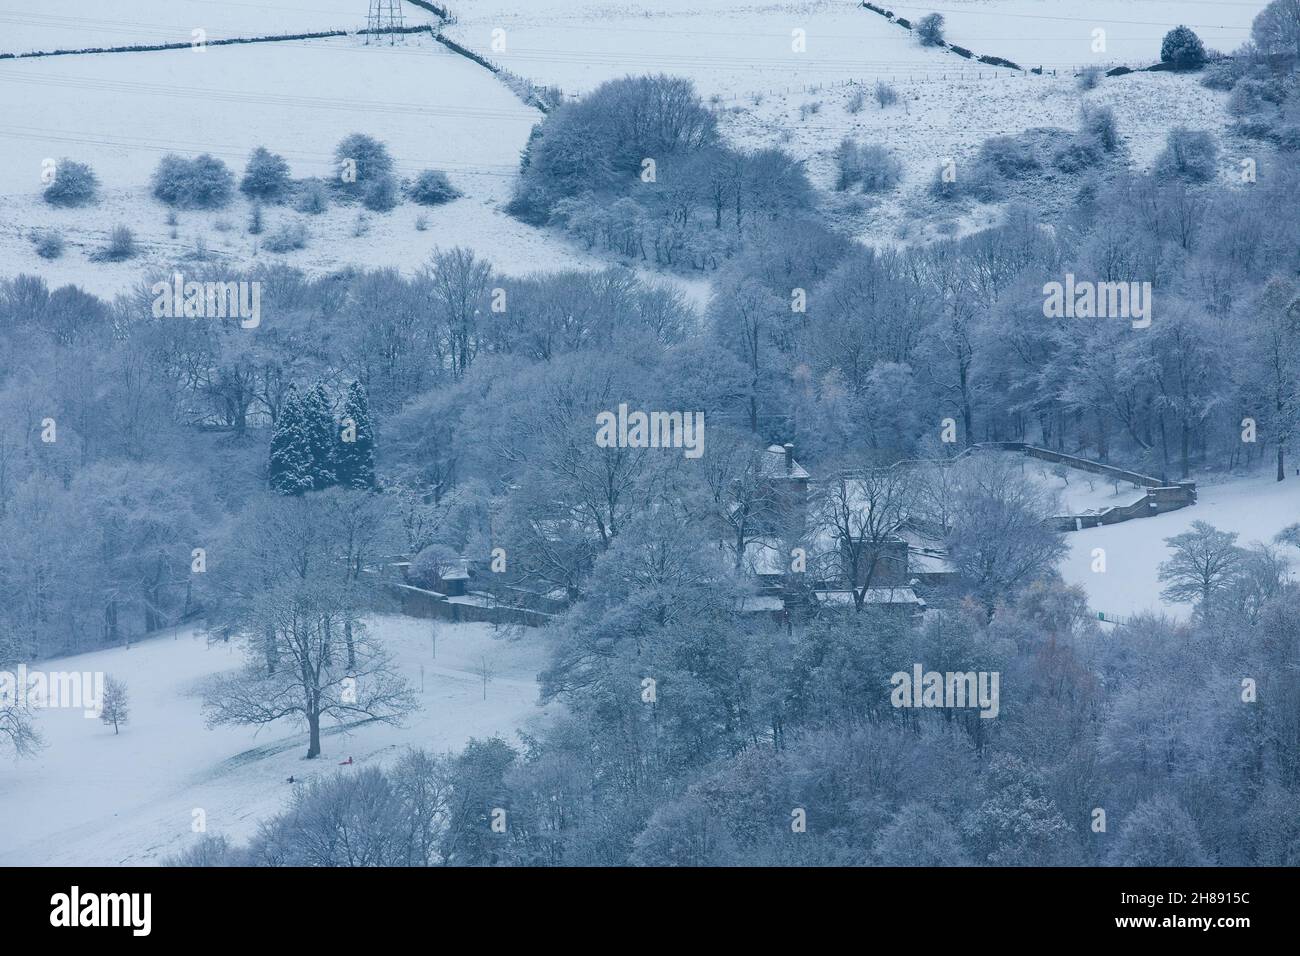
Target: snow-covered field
(1255, 507)
(731, 50)
(92, 798)
(123, 112)
(1058, 34)
(77, 24)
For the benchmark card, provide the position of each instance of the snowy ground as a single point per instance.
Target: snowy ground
(732, 50)
(91, 798)
(1256, 507)
(123, 112)
(77, 24)
(951, 116)
(1058, 34)
(1080, 492)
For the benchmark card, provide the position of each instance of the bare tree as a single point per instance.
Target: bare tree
(859, 515)
(290, 595)
(1001, 538)
(114, 708)
(1205, 560)
(486, 670)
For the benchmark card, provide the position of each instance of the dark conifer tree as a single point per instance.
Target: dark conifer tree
(354, 455)
(321, 431)
(291, 462)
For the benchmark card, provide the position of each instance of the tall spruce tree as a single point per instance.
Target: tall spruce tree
(320, 429)
(291, 463)
(354, 455)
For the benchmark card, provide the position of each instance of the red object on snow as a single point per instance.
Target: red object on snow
(345, 763)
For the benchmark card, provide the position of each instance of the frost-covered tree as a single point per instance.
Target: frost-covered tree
(1000, 539)
(1158, 832)
(291, 594)
(364, 156)
(1203, 563)
(115, 707)
(929, 29)
(1182, 49)
(266, 176)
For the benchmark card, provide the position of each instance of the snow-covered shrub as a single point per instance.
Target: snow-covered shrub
(255, 220)
(1009, 155)
(1255, 94)
(885, 94)
(1089, 78)
(363, 155)
(929, 29)
(1189, 154)
(1182, 49)
(313, 199)
(266, 176)
(1254, 127)
(433, 188)
(75, 184)
(971, 180)
(1099, 122)
(121, 246)
(1224, 73)
(870, 165)
(380, 194)
(203, 182)
(1288, 137)
(49, 243)
(287, 238)
(809, 109)
(857, 101)
(1077, 153)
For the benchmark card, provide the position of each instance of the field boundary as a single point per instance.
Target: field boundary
(228, 41)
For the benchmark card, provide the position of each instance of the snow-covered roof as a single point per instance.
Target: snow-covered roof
(901, 595)
(760, 602)
(774, 464)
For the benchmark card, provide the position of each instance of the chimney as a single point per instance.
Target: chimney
(789, 457)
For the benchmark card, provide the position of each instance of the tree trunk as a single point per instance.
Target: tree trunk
(352, 649)
(313, 745)
(1281, 464)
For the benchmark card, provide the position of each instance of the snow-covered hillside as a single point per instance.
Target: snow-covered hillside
(1255, 507)
(123, 112)
(93, 798)
(1059, 34)
(77, 24)
(731, 50)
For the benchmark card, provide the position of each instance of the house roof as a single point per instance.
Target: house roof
(880, 596)
(774, 464)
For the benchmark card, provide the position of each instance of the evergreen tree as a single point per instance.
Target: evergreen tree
(354, 455)
(320, 429)
(291, 462)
